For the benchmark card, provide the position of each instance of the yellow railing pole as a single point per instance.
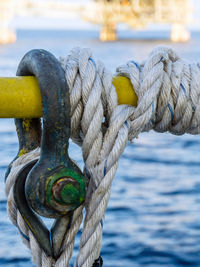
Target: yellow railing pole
(20, 96)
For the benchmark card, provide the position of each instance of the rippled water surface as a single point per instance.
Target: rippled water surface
(153, 215)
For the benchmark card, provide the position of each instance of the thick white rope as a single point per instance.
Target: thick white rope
(168, 91)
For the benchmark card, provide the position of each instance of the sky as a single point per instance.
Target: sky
(196, 5)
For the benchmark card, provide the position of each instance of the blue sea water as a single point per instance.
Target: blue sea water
(153, 217)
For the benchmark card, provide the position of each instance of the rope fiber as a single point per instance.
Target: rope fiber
(168, 91)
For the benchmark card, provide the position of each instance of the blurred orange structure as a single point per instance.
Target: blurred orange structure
(108, 13)
(6, 14)
(139, 13)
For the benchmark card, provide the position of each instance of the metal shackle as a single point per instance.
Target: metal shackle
(29, 135)
(55, 185)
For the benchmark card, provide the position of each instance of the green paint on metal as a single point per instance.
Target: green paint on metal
(70, 194)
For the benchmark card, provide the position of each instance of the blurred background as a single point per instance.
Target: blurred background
(153, 215)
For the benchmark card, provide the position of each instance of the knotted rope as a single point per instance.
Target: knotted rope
(168, 91)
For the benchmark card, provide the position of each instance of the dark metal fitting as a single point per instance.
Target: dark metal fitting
(98, 262)
(54, 162)
(53, 186)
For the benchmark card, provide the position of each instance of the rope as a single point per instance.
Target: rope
(168, 91)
